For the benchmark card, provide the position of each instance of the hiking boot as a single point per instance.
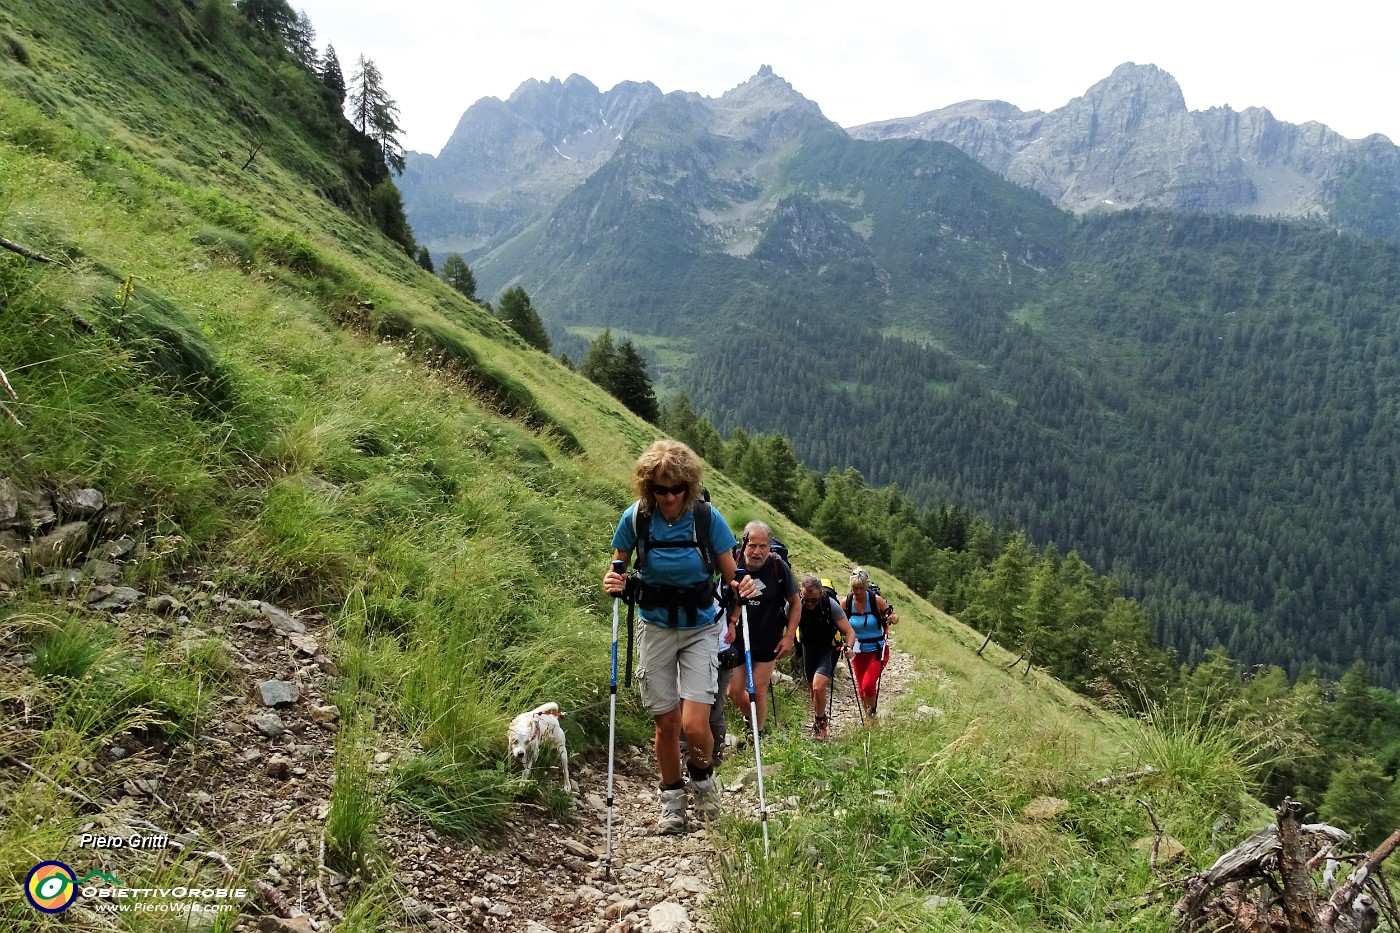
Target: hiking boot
(707, 799)
(672, 819)
(820, 727)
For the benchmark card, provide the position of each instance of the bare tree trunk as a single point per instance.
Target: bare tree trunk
(1298, 904)
(1266, 883)
(24, 251)
(257, 147)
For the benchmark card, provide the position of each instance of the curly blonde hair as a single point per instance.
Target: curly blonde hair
(678, 463)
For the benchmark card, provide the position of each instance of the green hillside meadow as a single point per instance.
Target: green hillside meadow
(289, 409)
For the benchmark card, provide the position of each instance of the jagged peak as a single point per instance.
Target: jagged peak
(1148, 80)
(768, 88)
(575, 83)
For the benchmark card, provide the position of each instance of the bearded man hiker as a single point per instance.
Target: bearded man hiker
(821, 619)
(773, 611)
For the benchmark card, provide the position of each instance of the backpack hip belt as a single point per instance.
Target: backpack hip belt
(691, 598)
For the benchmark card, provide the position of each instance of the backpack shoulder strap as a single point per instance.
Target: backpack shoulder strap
(782, 574)
(703, 516)
(641, 530)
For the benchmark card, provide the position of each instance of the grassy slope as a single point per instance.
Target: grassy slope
(356, 464)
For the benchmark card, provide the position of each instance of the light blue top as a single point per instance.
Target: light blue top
(674, 566)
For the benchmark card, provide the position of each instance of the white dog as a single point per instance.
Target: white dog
(530, 730)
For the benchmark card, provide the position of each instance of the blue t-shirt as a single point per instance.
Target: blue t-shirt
(870, 631)
(674, 566)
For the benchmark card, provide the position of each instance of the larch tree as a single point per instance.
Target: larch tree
(456, 273)
(332, 78)
(375, 113)
(632, 385)
(600, 361)
(519, 314)
(301, 42)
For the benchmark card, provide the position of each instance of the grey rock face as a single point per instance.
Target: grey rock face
(508, 160)
(11, 558)
(120, 598)
(9, 502)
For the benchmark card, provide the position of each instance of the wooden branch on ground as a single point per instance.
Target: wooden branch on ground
(1156, 838)
(320, 870)
(1266, 882)
(1346, 896)
(24, 251)
(67, 792)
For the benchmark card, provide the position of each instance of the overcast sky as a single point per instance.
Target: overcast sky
(863, 60)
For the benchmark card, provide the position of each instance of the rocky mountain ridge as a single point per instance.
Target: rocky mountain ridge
(1131, 141)
(1128, 141)
(510, 162)
(507, 159)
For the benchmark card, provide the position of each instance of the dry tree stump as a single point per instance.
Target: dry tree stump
(1283, 879)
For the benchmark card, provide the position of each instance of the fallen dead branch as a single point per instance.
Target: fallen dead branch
(1267, 883)
(24, 251)
(321, 870)
(66, 791)
(4, 380)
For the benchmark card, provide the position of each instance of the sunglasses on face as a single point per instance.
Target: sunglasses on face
(669, 490)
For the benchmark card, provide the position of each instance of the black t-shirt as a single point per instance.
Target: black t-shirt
(817, 627)
(776, 586)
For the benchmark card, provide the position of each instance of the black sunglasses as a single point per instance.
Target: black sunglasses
(669, 490)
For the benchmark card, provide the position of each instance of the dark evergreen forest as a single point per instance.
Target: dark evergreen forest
(1204, 407)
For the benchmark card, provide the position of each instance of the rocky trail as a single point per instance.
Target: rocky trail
(549, 877)
(246, 798)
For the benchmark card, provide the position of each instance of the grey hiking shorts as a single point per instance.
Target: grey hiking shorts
(675, 664)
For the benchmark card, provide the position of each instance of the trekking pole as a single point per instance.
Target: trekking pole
(855, 688)
(831, 687)
(617, 566)
(772, 703)
(753, 711)
(884, 660)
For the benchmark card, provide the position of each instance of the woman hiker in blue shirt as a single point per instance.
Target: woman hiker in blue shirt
(680, 541)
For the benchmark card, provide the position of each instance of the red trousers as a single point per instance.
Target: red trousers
(868, 665)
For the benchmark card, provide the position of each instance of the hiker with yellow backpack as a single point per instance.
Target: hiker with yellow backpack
(823, 632)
